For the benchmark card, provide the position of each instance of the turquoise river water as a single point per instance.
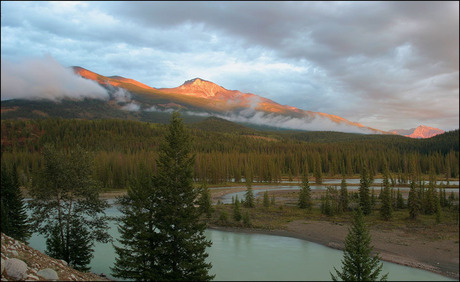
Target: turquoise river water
(250, 257)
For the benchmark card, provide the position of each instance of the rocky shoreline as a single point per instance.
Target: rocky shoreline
(21, 262)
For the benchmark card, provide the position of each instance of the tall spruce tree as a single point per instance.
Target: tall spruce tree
(430, 195)
(79, 242)
(66, 206)
(327, 209)
(357, 263)
(266, 200)
(176, 249)
(318, 169)
(385, 210)
(237, 210)
(138, 257)
(364, 197)
(399, 200)
(343, 198)
(343, 204)
(249, 201)
(438, 211)
(413, 201)
(205, 201)
(14, 217)
(305, 201)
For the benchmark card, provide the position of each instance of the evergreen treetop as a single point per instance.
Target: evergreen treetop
(364, 197)
(357, 263)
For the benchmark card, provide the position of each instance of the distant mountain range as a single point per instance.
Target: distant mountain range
(421, 131)
(196, 99)
(205, 98)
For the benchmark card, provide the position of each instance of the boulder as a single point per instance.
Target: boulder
(16, 269)
(48, 273)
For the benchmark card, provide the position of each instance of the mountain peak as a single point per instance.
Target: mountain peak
(201, 87)
(197, 80)
(422, 131)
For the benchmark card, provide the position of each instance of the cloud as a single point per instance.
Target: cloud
(131, 107)
(309, 123)
(357, 60)
(45, 78)
(120, 95)
(156, 109)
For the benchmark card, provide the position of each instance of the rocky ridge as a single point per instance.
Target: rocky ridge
(421, 131)
(20, 262)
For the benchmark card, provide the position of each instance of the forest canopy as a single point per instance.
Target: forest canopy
(228, 151)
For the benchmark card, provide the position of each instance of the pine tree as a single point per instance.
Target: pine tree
(343, 195)
(399, 200)
(431, 197)
(223, 217)
(305, 194)
(237, 210)
(14, 217)
(246, 219)
(80, 246)
(182, 251)
(357, 263)
(266, 199)
(443, 197)
(385, 209)
(249, 196)
(137, 258)
(373, 198)
(438, 211)
(162, 234)
(327, 204)
(318, 170)
(364, 197)
(205, 201)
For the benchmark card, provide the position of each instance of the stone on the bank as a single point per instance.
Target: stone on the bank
(16, 269)
(48, 273)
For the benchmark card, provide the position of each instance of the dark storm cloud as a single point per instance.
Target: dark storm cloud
(377, 63)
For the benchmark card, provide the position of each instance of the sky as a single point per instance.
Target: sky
(386, 65)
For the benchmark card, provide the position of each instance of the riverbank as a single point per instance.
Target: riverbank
(420, 244)
(439, 256)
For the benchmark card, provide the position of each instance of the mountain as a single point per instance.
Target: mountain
(197, 99)
(421, 131)
(204, 98)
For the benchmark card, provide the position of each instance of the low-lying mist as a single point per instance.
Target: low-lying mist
(45, 78)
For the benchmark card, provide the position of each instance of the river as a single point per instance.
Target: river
(258, 190)
(250, 257)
